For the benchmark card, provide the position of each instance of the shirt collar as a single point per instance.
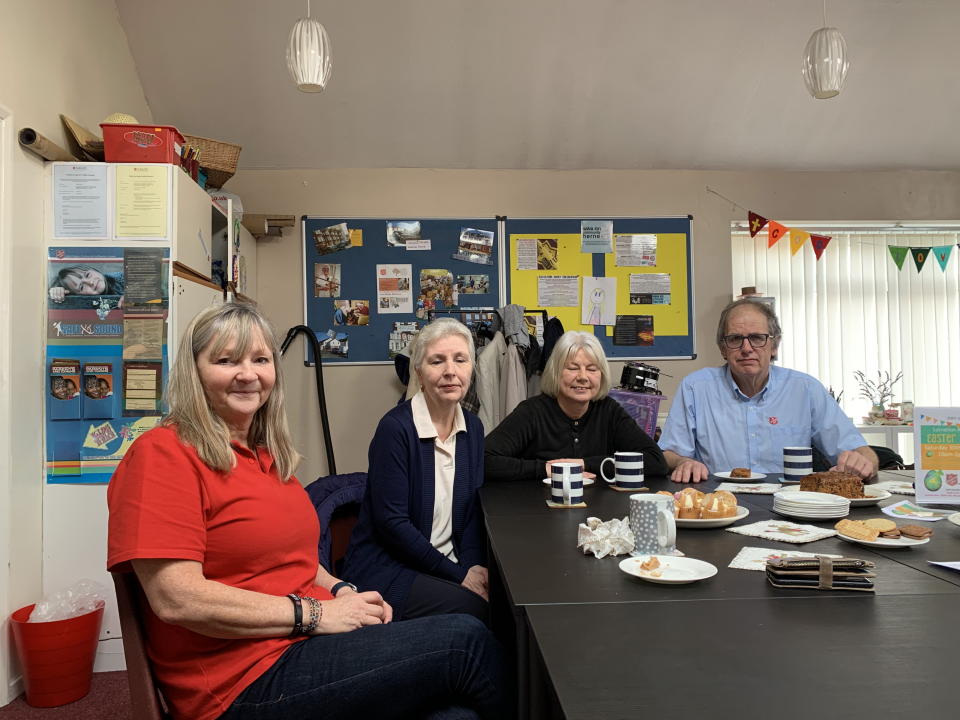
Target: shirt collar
(738, 393)
(424, 424)
(261, 453)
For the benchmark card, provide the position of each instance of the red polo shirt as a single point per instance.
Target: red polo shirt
(247, 528)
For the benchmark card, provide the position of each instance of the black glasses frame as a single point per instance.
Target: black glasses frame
(756, 340)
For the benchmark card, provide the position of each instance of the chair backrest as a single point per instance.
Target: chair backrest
(145, 697)
(336, 498)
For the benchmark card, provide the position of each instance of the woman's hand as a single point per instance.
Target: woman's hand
(578, 461)
(478, 580)
(57, 294)
(349, 611)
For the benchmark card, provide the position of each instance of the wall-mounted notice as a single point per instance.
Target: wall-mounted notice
(80, 201)
(394, 292)
(649, 289)
(636, 250)
(141, 201)
(558, 291)
(596, 236)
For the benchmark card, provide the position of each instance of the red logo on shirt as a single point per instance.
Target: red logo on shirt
(773, 421)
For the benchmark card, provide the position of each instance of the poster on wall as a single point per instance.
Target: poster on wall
(936, 433)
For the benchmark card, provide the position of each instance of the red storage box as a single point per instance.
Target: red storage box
(642, 407)
(141, 143)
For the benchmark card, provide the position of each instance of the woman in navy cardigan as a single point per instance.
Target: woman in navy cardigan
(419, 537)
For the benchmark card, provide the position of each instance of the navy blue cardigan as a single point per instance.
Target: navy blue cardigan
(391, 542)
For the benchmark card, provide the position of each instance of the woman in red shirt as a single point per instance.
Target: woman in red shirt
(242, 619)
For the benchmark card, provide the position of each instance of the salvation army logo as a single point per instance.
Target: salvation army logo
(772, 420)
(61, 254)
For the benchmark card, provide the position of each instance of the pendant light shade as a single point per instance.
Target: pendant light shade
(825, 63)
(308, 55)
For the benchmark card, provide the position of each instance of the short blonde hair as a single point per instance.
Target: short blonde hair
(436, 330)
(190, 411)
(569, 344)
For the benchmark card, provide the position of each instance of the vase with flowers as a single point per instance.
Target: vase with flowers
(878, 392)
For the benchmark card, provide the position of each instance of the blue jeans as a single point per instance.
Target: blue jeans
(436, 667)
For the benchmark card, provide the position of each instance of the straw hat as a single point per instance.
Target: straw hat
(120, 119)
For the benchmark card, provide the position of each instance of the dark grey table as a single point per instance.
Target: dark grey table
(824, 657)
(535, 565)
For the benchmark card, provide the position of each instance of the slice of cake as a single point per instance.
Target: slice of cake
(741, 473)
(843, 484)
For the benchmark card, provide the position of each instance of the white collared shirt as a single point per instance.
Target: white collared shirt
(444, 463)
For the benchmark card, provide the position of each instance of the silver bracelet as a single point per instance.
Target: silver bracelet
(316, 613)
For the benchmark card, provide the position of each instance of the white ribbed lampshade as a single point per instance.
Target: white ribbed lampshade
(308, 55)
(825, 63)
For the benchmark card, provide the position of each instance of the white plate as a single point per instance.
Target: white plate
(955, 518)
(742, 512)
(886, 542)
(753, 476)
(586, 481)
(873, 495)
(674, 570)
(807, 516)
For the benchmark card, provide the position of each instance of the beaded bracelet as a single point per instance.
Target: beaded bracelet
(316, 613)
(297, 615)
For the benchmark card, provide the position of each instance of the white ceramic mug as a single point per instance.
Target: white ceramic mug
(652, 523)
(566, 483)
(627, 470)
(797, 463)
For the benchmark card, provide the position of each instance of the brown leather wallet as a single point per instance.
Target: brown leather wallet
(821, 573)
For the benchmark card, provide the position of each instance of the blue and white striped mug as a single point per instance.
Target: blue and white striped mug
(566, 483)
(797, 463)
(627, 470)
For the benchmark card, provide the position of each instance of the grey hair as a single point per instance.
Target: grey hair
(569, 344)
(436, 330)
(773, 324)
(196, 423)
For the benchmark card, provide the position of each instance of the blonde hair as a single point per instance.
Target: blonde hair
(437, 330)
(196, 423)
(569, 344)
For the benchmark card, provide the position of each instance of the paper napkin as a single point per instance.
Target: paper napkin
(784, 531)
(755, 558)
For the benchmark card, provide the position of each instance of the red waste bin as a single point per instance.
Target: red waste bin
(56, 656)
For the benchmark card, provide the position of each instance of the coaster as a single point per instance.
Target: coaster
(784, 531)
(558, 506)
(629, 490)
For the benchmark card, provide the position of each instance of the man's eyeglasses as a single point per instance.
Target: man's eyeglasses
(756, 340)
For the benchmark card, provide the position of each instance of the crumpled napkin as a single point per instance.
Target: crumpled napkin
(602, 538)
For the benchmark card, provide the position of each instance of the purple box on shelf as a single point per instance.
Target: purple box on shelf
(642, 407)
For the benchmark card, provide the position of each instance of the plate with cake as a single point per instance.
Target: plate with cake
(881, 532)
(694, 508)
(740, 512)
(741, 475)
(667, 569)
(871, 495)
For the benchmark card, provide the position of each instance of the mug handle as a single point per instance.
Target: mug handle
(602, 462)
(666, 528)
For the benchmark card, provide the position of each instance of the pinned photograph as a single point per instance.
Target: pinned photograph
(547, 254)
(400, 231)
(436, 286)
(331, 239)
(334, 344)
(85, 285)
(351, 312)
(326, 280)
(476, 246)
(400, 336)
(473, 284)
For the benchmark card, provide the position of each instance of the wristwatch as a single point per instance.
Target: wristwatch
(342, 584)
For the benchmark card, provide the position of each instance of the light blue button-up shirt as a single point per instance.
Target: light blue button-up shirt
(712, 421)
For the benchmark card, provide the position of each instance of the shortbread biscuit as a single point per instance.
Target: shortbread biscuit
(881, 524)
(856, 530)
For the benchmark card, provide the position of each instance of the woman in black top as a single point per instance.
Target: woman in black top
(572, 420)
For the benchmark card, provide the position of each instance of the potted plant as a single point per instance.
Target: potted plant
(878, 393)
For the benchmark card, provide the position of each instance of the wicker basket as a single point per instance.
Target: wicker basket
(218, 158)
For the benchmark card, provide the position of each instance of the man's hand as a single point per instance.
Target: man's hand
(690, 471)
(858, 463)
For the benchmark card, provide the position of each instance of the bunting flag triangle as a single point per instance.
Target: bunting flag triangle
(943, 255)
(775, 232)
(797, 239)
(919, 256)
(820, 242)
(899, 254)
(756, 222)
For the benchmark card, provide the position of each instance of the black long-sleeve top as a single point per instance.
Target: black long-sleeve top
(538, 431)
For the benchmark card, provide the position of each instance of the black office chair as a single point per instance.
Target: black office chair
(145, 696)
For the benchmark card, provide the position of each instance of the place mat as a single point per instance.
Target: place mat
(895, 486)
(561, 506)
(629, 490)
(906, 510)
(755, 558)
(752, 488)
(784, 531)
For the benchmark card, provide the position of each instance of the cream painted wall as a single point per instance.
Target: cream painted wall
(59, 56)
(358, 396)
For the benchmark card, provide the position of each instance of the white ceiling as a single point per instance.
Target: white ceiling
(558, 84)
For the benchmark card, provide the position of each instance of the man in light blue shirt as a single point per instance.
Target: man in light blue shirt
(744, 413)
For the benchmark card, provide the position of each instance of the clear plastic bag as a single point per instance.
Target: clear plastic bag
(82, 597)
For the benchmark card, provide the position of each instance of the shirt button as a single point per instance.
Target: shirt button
(576, 440)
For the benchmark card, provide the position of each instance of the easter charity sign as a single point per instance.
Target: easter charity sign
(936, 438)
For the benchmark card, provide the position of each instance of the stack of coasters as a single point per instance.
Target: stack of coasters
(821, 573)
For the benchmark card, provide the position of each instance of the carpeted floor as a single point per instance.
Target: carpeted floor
(109, 699)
